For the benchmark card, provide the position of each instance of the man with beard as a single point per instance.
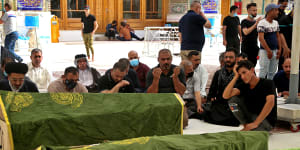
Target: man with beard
(68, 83)
(36, 72)
(249, 32)
(282, 79)
(253, 102)
(286, 34)
(116, 81)
(219, 112)
(165, 77)
(16, 81)
(201, 72)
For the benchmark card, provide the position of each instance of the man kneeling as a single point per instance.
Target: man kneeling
(255, 107)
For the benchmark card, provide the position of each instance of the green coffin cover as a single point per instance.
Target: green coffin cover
(233, 140)
(65, 119)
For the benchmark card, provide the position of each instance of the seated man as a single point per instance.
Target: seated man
(200, 72)
(140, 68)
(36, 73)
(219, 112)
(192, 96)
(282, 79)
(115, 81)
(88, 76)
(256, 108)
(16, 81)
(126, 33)
(130, 74)
(166, 78)
(242, 56)
(68, 83)
(111, 30)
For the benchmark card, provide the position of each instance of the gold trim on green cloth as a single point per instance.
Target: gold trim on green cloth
(182, 107)
(7, 123)
(18, 101)
(73, 99)
(141, 140)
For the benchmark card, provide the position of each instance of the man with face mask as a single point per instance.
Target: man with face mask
(191, 96)
(232, 30)
(16, 81)
(219, 112)
(283, 5)
(68, 83)
(140, 68)
(116, 81)
(36, 72)
(249, 32)
(88, 76)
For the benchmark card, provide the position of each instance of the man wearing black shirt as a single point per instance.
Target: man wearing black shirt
(286, 34)
(256, 109)
(284, 53)
(191, 30)
(166, 77)
(249, 33)
(219, 112)
(89, 27)
(116, 81)
(231, 30)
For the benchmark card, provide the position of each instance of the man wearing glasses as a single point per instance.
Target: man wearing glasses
(15, 82)
(68, 83)
(36, 72)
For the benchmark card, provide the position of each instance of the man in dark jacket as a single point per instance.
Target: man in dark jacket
(16, 79)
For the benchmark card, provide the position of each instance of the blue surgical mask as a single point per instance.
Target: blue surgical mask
(134, 62)
(235, 14)
(5, 74)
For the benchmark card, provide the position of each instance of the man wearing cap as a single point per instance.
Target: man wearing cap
(88, 76)
(9, 21)
(68, 83)
(89, 27)
(36, 72)
(16, 81)
(270, 45)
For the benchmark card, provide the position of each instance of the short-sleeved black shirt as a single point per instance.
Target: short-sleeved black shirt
(88, 23)
(251, 38)
(107, 83)
(192, 32)
(255, 99)
(232, 24)
(286, 28)
(165, 82)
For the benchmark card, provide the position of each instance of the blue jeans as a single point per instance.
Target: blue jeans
(10, 41)
(268, 67)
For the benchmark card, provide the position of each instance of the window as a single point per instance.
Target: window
(55, 8)
(154, 9)
(75, 8)
(131, 9)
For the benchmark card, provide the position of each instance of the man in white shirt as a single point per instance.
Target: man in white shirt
(9, 21)
(200, 71)
(88, 76)
(38, 74)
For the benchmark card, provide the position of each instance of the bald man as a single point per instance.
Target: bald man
(282, 79)
(140, 68)
(191, 30)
